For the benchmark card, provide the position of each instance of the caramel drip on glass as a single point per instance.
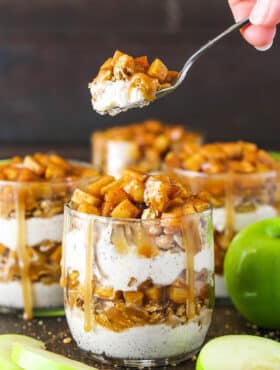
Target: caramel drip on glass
(190, 237)
(88, 276)
(229, 205)
(23, 257)
(66, 228)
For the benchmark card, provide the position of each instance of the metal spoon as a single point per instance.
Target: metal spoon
(197, 54)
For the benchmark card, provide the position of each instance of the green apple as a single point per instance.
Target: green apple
(275, 155)
(48, 312)
(6, 341)
(239, 352)
(30, 358)
(252, 273)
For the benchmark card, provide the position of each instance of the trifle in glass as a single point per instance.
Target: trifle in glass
(138, 269)
(33, 191)
(141, 146)
(241, 180)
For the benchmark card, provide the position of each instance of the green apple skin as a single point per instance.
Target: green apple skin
(252, 273)
(275, 155)
(6, 341)
(239, 352)
(29, 358)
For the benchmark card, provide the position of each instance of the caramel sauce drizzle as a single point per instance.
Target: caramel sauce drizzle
(191, 238)
(145, 84)
(22, 254)
(66, 227)
(229, 206)
(90, 245)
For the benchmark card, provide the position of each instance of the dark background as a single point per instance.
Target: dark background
(51, 49)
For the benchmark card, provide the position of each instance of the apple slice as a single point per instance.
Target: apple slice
(30, 358)
(6, 341)
(239, 352)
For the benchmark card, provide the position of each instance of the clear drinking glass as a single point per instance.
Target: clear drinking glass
(31, 228)
(138, 292)
(238, 200)
(145, 152)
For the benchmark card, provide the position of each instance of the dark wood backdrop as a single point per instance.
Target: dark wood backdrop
(50, 50)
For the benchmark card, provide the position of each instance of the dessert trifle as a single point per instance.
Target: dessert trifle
(125, 82)
(241, 180)
(138, 269)
(141, 146)
(33, 191)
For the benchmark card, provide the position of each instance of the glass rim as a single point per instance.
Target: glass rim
(86, 216)
(194, 174)
(66, 181)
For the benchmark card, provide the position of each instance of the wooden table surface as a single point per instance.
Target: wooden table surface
(53, 331)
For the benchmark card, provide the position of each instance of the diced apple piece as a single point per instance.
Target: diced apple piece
(6, 342)
(30, 358)
(153, 293)
(178, 295)
(125, 209)
(133, 297)
(141, 64)
(158, 70)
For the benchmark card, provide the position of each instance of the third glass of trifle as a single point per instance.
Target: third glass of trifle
(138, 269)
(33, 191)
(241, 180)
(141, 146)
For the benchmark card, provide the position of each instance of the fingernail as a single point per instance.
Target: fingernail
(265, 47)
(259, 12)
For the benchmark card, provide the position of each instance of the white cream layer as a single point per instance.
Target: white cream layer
(37, 230)
(120, 155)
(43, 296)
(242, 219)
(113, 97)
(116, 270)
(143, 342)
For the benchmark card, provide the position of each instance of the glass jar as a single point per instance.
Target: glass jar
(238, 200)
(138, 292)
(31, 227)
(141, 146)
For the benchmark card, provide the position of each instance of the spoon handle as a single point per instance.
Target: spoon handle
(208, 45)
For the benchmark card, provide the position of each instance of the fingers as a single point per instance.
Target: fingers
(266, 13)
(259, 36)
(241, 9)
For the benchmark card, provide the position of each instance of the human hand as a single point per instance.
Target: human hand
(264, 16)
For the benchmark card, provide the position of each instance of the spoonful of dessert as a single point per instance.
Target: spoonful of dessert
(124, 82)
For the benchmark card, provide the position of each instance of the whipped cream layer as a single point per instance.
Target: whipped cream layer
(242, 219)
(120, 155)
(113, 97)
(43, 296)
(38, 229)
(116, 270)
(142, 342)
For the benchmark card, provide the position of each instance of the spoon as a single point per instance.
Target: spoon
(183, 73)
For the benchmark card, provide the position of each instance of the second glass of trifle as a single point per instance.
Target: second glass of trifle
(241, 180)
(141, 146)
(138, 269)
(33, 191)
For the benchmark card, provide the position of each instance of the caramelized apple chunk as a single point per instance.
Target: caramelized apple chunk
(138, 195)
